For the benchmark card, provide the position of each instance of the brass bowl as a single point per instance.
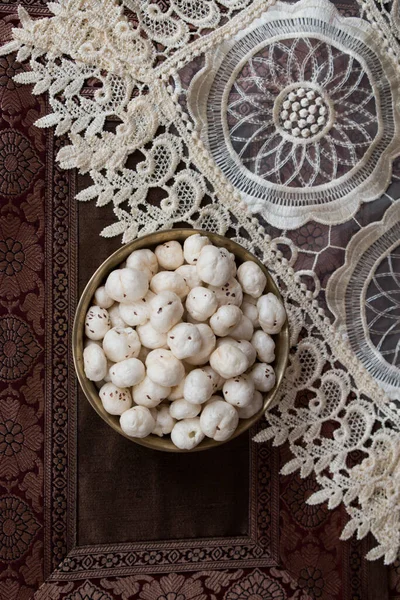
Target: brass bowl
(150, 241)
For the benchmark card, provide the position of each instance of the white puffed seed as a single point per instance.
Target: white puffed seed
(97, 323)
(137, 422)
(169, 281)
(208, 342)
(246, 412)
(251, 278)
(127, 285)
(94, 362)
(219, 420)
(107, 377)
(239, 391)
(244, 329)
(264, 345)
(189, 319)
(127, 373)
(187, 434)
(102, 299)
(166, 310)
(176, 391)
(153, 412)
(190, 275)
(121, 343)
(214, 398)
(225, 319)
(263, 376)
(229, 292)
(115, 400)
(248, 349)
(215, 265)
(271, 313)
(182, 409)
(245, 346)
(193, 246)
(169, 255)
(216, 379)
(138, 312)
(164, 421)
(150, 394)
(143, 260)
(184, 340)
(115, 317)
(199, 386)
(249, 299)
(164, 368)
(250, 310)
(228, 361)
(201, 303)
(150, 338)
(233, 263)
(87, 343)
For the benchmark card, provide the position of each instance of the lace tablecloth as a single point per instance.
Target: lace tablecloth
(276, 125)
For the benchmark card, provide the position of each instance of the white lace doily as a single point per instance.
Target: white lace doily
(213, 104)
(299, 113)
(365, 296)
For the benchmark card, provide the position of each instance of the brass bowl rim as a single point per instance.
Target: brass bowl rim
(116, 258)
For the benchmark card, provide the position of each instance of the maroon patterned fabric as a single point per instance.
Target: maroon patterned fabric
(291, 551)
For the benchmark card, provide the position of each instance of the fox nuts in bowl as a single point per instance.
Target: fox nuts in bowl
(180, 340)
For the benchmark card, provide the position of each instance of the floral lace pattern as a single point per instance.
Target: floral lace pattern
(295, 121)
(365, 296)
(312, 108)
(382, 305)
(137, 132)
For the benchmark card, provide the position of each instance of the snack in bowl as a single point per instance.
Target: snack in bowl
(188, 337)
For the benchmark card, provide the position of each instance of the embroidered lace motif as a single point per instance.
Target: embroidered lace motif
(365, 296)
(289, 169)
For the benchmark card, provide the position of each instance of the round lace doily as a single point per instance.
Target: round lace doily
(291, 164)
(365, 296)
